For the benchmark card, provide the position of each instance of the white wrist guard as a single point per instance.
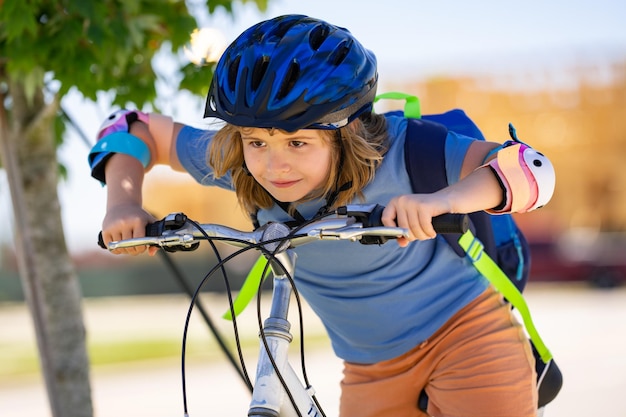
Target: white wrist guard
(527, 178)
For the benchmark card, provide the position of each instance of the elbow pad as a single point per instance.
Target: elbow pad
(116, 142)
(527, 178)
(120, 121)
(114, 137)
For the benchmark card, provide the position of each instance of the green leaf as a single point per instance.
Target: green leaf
(87, 9)
(18, 19)
(98, 46)
(196, 79)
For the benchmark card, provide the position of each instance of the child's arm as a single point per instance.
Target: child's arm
(124, 173)
(125, 217)
(516, 178)
(478, 190)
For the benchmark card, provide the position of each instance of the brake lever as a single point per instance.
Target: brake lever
(369, 215)
(366, 236)
(156, 235)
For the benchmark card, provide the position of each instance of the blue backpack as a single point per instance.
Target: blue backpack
(502, 239)
(494, 243)
(424, 156)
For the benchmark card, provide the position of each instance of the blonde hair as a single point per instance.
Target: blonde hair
(356, 152)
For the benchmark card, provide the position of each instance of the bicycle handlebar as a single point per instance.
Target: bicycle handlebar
(360, 222)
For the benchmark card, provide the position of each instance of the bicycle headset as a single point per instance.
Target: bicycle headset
(293, 72)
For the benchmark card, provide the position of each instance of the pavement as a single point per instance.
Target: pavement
(584, 328)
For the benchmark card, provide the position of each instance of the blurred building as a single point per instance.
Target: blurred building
(580, 125)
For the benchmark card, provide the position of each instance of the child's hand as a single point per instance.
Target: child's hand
(126, 222)
(414, 212)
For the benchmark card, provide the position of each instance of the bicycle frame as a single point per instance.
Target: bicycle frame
(268, 395)
(278, 391)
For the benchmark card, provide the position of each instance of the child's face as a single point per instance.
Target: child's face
(288, 165)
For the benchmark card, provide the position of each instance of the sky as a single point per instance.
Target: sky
(409, 37)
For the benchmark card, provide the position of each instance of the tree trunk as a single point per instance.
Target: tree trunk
(49, 281)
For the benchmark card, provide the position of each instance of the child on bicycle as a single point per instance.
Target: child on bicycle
(299, 140)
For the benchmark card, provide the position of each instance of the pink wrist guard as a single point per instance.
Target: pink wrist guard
(527, 177)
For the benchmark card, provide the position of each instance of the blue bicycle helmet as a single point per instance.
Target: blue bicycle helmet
(293, 72)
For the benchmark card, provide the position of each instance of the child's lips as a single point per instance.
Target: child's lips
(283, 184)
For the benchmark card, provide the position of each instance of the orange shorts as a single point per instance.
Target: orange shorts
(479, 364)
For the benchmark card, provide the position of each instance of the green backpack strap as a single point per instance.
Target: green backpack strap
(412, 108)
(490, 270)
(260, 270)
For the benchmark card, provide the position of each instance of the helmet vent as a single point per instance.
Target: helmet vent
(259, 70)
(279, 31)
(340, 53)
(290, 79)
(318, 36)
(233, 70)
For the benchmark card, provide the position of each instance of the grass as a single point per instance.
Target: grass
(21, 359)
(17, 359)
(138, 329)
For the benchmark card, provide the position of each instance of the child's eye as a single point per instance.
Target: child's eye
(256, 143)
(297, 143)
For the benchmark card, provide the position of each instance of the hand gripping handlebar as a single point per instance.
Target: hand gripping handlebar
(357, 222)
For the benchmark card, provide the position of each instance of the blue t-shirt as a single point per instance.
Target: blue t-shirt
(376, 302)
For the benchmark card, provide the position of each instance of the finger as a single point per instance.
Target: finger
(419, 224)
(403, 221)
(108, 237)
(139, 230)
(409, 219)
(403, 242)
(388, 217)
(423, 229)
(426, 223)
(130, 233)
(137, 250)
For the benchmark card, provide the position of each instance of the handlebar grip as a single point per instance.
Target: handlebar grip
(444, 223)
(101, 241)
(155, 229)
(451, 223)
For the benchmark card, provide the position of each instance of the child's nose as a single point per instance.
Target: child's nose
(277, 162)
